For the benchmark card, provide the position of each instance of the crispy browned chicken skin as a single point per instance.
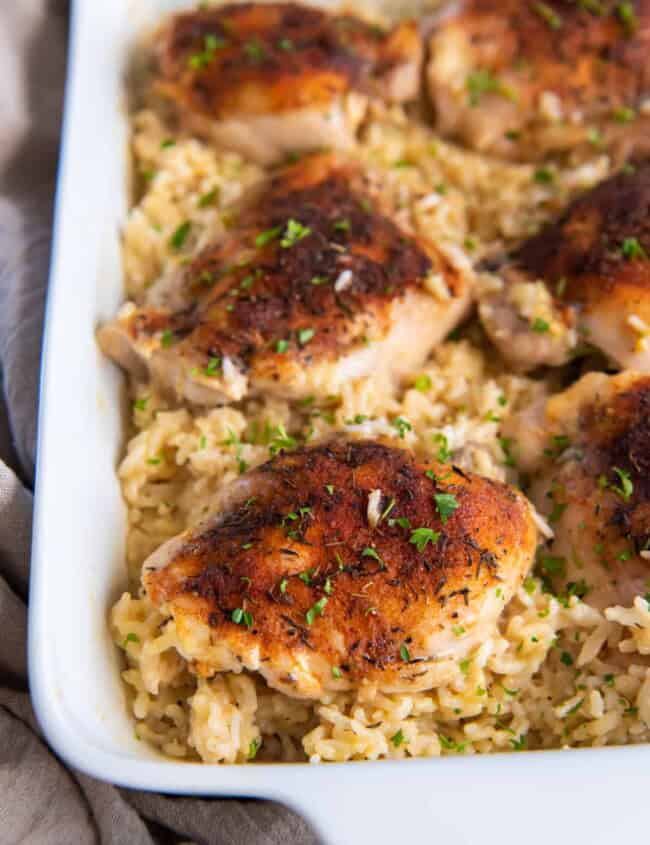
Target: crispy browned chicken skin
(522, 79)
(588, 451)
(270, 78)
(584, 279)
(312, 287)
(343, 563)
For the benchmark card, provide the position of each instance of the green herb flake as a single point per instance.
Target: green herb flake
(242, 617)
(167, 143)
(141, 404)
(624, 115)
(632, 250)
(446, 504)
(566, 658)
(281, 346)
(131, 638)
(286, 44)
(423, 383)
(421, 537)
(404, 653)
(180, 235)
(548, 15)
(305, 335)
(342, 225)
(254, 51)
(540, 326)
(208, 199)
(336, 673)
(294, 232)
(316, 610)
(269, 235)
(544, 176)
(402, 425)
(627, 17)
(398, 739)
(626, 488)
(519, 744)
(443, 451)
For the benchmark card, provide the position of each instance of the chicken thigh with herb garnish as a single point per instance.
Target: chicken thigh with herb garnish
(522, 80)
(344, 563)
(268, 79)
(582, 280)
(588, 450)
(312, 286)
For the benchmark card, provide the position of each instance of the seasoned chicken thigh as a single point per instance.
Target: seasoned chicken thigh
(521, 80)
(312, 286)
(589, 452)
(271, 78)
(584, 279)
(344, 563)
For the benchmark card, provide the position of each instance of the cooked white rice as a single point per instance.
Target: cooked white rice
(554, 675)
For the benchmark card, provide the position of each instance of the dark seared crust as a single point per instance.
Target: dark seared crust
(373, 602)
(593, 62)
(243, 299)
(580, 257)
(293, 56)
(617, 434)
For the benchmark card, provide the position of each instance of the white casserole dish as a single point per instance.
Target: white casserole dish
(78, 568)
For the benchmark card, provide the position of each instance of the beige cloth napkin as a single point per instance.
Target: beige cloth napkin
(42, 802)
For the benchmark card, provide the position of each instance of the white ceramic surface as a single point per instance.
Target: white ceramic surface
(78, 568)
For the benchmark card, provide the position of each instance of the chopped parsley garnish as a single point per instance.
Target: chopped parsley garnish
(421, 537)
(519, 744)
(209, 199)
(328, 587)
(548, 15)
(330, 489)
(281, 346)
(450, 744)
(402, 426)
(336, 672)
(423, 383)
(342, 225)
(463, 665)
(443, 452)
(446, 504)
(398, 738)
(180, 235)
(317, 280)
(280, 440)
(141, 404)
(269, 235)
(624, 115)
(254, 50)
(402, 521)
(632, 250)
(167, 143)
(566, 658)
(458, 630)
(482, 82)
(627, 16)
(553, 565)
(370, 552)
(305, 335)
(242, 617)
(574, 709)
(211, 43)
(212, 368)
(506, 444)
(154, 461)
(294, 232)
(404, 653)
(544, 176)
(556, 513)
(530, 586)
(131, 638)
(358, 419)
(284, 583)
(316, 610)
(626, 487)
(286, 44)
(540, 326)
(253, 748)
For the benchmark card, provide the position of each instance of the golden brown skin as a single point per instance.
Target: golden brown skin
(336, 598)
(226, 66)
(311, 275)
(292, 55)
(588, 450)
(494, 61)
(595, 264)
